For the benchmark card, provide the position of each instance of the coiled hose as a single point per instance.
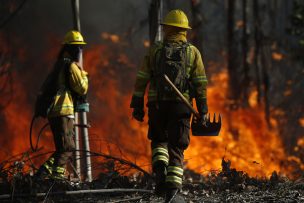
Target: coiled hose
(34, 149)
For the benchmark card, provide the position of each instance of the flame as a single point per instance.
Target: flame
(243, 134)
(253, 99)
(112, 37)
(17, 116)
(239, 24)
(245, 138)
(301, 122)
(146, 43)
(242, 138)
(277, 56)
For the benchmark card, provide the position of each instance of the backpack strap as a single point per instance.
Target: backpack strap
(156, 53)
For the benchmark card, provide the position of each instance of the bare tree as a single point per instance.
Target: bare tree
(197, 23)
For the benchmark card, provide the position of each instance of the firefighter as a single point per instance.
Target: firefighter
(169, 118)
(70, 82)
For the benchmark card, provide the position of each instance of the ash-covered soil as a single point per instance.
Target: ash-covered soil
(226, 186)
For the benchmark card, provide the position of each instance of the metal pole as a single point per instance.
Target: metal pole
(76, 23)
(77, 147)
(86, 145)
(76, 19)
(82, 114)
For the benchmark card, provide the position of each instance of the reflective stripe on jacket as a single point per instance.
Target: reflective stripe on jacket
(63, 101)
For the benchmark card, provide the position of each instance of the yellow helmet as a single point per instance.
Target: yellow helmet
(176, 18)
(73, 37)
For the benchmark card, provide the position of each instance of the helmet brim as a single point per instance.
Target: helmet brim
(176, 25)
(80, 43)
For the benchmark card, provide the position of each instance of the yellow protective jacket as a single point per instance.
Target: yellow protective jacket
(195, 71)
(63, 101)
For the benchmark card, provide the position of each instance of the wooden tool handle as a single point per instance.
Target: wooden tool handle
(181, 96)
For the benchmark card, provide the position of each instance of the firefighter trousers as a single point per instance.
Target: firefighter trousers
(169, 126)
(63, 135)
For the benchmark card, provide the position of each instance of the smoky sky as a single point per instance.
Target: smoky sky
(40, 19)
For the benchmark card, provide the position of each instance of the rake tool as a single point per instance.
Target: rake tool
(199, 127)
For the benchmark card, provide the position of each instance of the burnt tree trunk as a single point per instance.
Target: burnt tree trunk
(197, 22)
(266, 61)
(245, 78)
(153, 20)
(268, 37)
(257, 39)
(233, 56)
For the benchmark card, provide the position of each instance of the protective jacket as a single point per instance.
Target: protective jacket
(77, 82)
(194, 69)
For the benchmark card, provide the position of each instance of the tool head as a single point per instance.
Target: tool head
(199, 128)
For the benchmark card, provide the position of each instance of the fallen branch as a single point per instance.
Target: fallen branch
(122, 161)
(128, 199)
(77, 192)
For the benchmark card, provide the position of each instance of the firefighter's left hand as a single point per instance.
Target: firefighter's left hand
(205, 118)
(138, 114)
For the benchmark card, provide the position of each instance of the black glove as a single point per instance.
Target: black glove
(138, 114)
(137, 103)
(202, 108)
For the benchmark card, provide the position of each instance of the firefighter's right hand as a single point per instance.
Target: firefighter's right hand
(138, 114)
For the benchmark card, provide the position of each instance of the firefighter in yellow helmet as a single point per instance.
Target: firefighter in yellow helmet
(63, 86)
(169, 118)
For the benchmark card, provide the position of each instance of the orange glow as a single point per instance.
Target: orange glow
(253, 99)
(17, 119)
(243, 135)
(277, 56)
(245, 138)
(112, 37)
(239, 24)
(146, 43)
(287, 93)
(301, 122)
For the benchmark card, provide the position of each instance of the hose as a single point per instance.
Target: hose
(34, 149)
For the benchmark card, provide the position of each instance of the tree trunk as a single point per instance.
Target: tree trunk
(233, 57)
(246, 78)
(257, 38)
(197, 22)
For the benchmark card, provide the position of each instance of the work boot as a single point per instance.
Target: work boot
(172, 196)
(58, 176)
(160, 179)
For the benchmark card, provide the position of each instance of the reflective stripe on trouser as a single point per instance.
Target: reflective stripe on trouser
(160, 153)
(48, 165)
(169, 125)
(174, 177)
(59, 171)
